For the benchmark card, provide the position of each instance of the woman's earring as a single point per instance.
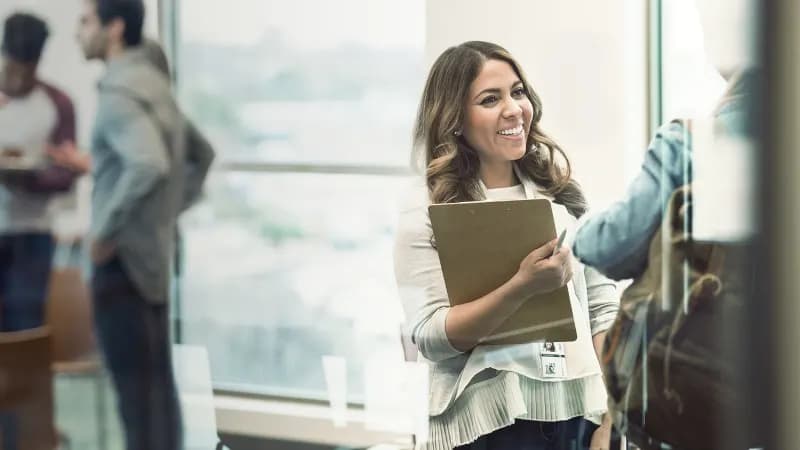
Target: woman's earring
(457, 132)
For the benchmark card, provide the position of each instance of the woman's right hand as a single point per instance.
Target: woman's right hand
(542, 272)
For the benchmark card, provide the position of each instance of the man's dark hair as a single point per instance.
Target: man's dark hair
(24, 36)
(129, 11)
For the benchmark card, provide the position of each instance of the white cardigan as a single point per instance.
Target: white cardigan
(474, 393)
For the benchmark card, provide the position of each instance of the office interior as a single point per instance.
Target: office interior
(285, 316)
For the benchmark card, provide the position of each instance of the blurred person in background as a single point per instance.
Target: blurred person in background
(200, 153)
(34, 116)
(140, 178)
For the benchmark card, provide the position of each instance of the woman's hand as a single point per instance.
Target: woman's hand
(542, 272)
(601, 438)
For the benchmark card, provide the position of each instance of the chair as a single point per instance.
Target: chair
(26, 391)
(69, 318)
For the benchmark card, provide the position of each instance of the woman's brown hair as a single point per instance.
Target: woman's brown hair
(451, 166)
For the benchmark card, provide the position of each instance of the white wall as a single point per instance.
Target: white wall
(587, 62)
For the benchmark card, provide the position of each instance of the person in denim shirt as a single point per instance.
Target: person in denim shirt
(616, 241)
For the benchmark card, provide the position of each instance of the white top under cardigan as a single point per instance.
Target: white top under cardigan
(487, 388)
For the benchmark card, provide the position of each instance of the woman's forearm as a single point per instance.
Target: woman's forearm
(598, 340)
(470, 322)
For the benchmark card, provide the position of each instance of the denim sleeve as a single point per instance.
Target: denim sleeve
(616, 241)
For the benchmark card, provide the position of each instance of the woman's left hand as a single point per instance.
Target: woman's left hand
(601, 438)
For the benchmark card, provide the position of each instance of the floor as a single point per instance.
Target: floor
(81, 418)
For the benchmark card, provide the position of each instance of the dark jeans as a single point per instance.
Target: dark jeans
(573, 434)
(134, 339)
(25, 262)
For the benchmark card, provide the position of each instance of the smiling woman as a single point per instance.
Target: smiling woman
(478, 132)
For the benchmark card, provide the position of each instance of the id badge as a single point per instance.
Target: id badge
(553, 348)
(554, 361)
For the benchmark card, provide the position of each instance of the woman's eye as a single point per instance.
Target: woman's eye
(518, 93)
(488, 100)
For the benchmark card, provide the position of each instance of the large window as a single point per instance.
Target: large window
(304, 81)
(289, 258)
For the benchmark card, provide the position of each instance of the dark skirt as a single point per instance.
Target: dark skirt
(573, 434)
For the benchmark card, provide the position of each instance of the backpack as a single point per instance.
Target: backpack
(669, 365)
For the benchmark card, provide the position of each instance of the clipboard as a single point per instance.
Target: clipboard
(481, 245)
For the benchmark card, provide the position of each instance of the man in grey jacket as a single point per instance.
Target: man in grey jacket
(141, 181)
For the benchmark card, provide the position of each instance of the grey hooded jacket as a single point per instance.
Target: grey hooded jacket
(149, 164)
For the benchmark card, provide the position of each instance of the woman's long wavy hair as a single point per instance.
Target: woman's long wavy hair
(450, 165)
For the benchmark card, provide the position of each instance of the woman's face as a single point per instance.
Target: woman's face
(497, 114)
